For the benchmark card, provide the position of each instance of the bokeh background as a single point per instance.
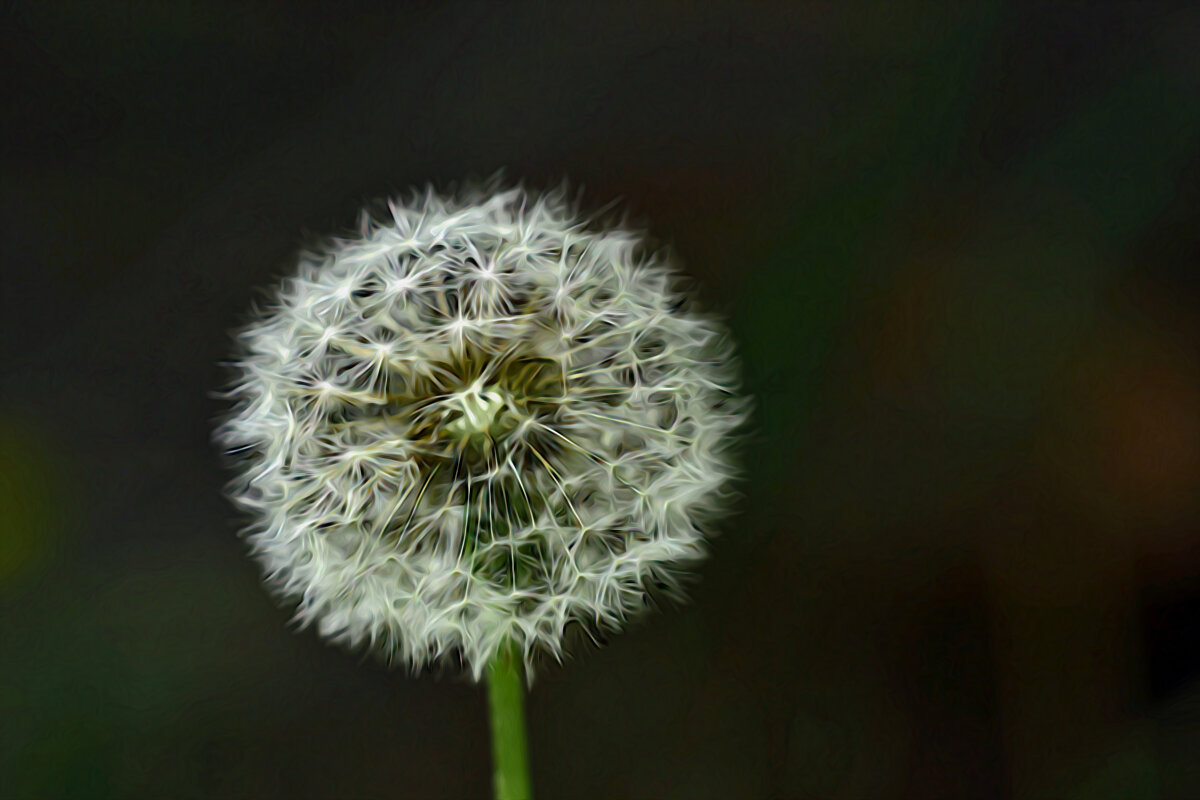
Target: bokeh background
(957, 242)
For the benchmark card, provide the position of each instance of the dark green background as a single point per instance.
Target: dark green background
(957, 243)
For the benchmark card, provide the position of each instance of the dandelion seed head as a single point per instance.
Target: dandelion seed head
(481, 418)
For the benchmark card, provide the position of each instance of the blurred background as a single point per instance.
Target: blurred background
(957, 242)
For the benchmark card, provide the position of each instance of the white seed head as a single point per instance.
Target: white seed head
(479, 419)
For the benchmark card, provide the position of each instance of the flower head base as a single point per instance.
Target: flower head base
(478, 420)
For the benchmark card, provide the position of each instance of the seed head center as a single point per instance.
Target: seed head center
(476, 412)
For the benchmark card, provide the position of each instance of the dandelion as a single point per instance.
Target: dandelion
(476, 422)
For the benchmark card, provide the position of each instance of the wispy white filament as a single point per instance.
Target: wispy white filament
(477, 419)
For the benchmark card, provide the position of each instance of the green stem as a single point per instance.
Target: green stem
(506, 706)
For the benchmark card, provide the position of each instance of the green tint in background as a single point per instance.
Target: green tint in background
(957, 243)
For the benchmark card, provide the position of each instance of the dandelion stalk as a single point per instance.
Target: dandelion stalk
(506, 709)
